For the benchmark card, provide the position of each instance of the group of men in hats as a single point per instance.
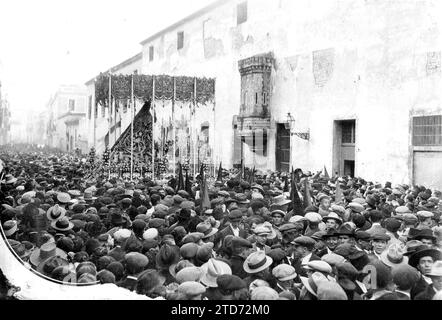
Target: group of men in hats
(287, 237)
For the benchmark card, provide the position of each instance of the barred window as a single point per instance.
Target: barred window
(90, 107)
(241, 13)
(427, 131)
(151, 53)
(348, 132)
(71, 105)
(180, 40)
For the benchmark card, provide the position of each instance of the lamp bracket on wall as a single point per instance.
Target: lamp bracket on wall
(290, 124)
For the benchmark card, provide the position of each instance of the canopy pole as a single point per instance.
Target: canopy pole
(173, 126)
(132, 129)
(109, 109)
(153, 129)
(194, 142)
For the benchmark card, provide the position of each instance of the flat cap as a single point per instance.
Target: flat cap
(136, 260)
(189, 250)
(288, 227)
(402, 210)
(380, 236)
(356, 207)
(191, 288)
(304, 241)
(227, 282)
(425, 214)
(238, 242)
(362, 235)
(187, 274)
(313, 217)
(235, 215)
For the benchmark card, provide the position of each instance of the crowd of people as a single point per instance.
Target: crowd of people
(274, 237)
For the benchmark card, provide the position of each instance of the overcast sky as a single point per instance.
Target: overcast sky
(46, 43)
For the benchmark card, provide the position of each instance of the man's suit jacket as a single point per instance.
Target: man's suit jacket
(237, 267)
(420, 286)
(427, 294)
(228, 231)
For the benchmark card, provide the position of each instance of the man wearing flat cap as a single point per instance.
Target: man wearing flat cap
(235, 218)
(302, 254)
(241, 249)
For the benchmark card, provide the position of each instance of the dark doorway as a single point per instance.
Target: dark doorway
(282, 148)
(349, 168)
(344, 147)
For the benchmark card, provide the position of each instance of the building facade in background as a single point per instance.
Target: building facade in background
(5, 120)
(349, 85)
(66, 127)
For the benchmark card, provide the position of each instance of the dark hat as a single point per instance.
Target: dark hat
(47, 266)
(288, 227)
(345, 230)
(238, 242)
(392, 224)
(425, 234)
(62, 224)
(380, 236)
(156, 223)
(235, 215)
(229, 283)
(424, 251)
(167, 255)
(277, 254)
(345, 250)
(362, 235)
(105, 276)
(304, 241)
(136, 261)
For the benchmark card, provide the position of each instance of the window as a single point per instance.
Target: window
(427, 131)
(348, 132)
(71, 105)
(151, 52)
(180, 40)
(89, 108)
(241, 13)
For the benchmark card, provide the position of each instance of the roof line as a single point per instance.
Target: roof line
(186, 19)
(126, 62)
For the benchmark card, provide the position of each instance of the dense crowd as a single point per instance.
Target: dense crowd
(296, 236)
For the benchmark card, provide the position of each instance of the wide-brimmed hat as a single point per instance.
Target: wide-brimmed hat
(436, 270)
(333, 216)
(10, 227)
(256, 262)
(212, 269)
(62, 224)
(44, 252)
(319, 266)
(47, 266)
(280, 201)
(394, 255)
(425, 234)
(311, 283)
(206, 229)
(424, 251)
(56, 212)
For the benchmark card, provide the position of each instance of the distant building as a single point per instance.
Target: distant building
(5, 120)
(67, 123)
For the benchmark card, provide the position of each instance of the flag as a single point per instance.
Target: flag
(326, 175)
(243, 172)
(286, 184)
(204, 194)
(188, 185)
(338, 193)
(298, 208)
(180, 185)
(220, 172)
(316, 176)
(307, 198)
(252, 177)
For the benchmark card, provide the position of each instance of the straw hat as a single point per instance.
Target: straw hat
(212, 269)
(257, 262)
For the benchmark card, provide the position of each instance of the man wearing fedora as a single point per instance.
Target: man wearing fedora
(423, 259)
(257, 266)
(436, 286)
